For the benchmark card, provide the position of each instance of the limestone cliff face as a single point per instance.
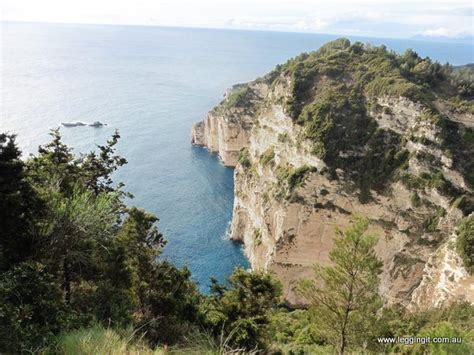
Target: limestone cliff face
(225, 130)
(289, 200)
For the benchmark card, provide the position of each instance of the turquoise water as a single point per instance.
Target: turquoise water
(152, 84)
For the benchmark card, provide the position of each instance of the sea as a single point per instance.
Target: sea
(152, 84)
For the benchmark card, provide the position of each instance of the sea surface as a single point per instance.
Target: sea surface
(152, 84)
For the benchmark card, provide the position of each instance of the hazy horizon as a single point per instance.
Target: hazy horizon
(462, 40)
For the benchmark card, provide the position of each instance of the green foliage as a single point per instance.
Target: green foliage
(424, 180)
(19, 204)
(238, 312)
(454, 320)
(460, 145)
(257, 236)
(129, 263)
(100, 340)
(75, 225)
(290, 178)
(445, 330)
(462, 79)
(244, 158)
(465, 203)
(295, 332)
(31, 308)
(431, 223)
(169, 304)
(81, 253)
(99, 167)
(465, 242)
(458, 104)
(239, 97)
(344, 296)
(432, 116)
(415, 199)
(267, 157)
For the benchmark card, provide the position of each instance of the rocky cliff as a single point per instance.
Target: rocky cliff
(346, 130)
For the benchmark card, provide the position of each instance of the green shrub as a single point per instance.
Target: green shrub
(239, 312)
(244, 158)
(267, 157)
(465, 203)
(465, 242)
(289, 177)
(431, 223)
(239, 97)
(415, 199)
(454, 320)
(295, 332)
(32, 310)
(448, 332)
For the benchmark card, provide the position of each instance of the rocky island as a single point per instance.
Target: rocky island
(347, 130)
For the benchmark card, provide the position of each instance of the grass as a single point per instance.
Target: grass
(267, 157)
(100, 340)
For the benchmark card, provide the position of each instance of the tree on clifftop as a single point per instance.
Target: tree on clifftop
(18, 205)
(344, 295)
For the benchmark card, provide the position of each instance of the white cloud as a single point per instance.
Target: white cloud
(447, 32)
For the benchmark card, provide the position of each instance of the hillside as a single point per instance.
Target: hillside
(352, 129)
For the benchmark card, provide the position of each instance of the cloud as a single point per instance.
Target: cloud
(447, 32)
(388, 18)
(312, 24)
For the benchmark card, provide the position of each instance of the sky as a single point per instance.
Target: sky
(450, 19)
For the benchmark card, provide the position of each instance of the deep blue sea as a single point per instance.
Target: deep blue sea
(152, 84)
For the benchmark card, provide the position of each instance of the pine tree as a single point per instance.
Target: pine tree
(344, 294)
(18, 206)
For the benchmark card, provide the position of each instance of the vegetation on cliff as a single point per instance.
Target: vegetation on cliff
(465, 242)
(333, 95)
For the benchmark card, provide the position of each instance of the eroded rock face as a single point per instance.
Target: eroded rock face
(289, 202)
(221, 137)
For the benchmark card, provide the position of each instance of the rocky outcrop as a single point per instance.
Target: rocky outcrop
(289, 201)
(221, 137)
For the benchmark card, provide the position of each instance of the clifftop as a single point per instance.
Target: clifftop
(351, 129)
(333, 94)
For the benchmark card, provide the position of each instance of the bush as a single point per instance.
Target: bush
(452, 320)
(294, 332)
(465, 242)
(461, 344)
(32, 311)
(239, 97)
(244, 158)
(239, 312)
(291, 178)
(267, 157)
